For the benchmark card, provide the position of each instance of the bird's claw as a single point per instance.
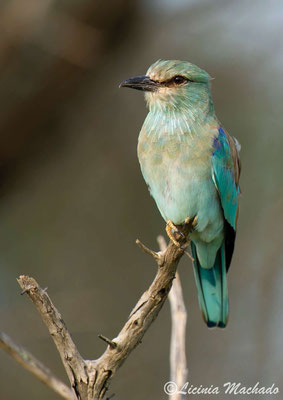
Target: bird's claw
(192, 221)
(172, 231)
(171, 227)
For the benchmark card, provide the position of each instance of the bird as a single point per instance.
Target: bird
(192, 168)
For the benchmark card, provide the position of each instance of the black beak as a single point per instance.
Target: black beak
(140, 83)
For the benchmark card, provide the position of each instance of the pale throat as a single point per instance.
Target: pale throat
(177, 115)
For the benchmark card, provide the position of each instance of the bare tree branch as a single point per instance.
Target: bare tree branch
(70, 356)
(28, 361)
(178, 361)
(90, 379)
(141, 317)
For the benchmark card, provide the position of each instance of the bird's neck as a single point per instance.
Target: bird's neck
(181, 117)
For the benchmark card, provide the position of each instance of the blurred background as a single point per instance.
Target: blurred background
(73, 201)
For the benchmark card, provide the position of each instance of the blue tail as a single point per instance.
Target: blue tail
(212, 289)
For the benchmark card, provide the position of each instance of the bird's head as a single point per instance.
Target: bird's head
(172, 84)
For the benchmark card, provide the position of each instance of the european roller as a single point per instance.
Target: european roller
(191, 166)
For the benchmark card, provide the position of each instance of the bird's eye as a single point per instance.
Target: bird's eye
(178, 79)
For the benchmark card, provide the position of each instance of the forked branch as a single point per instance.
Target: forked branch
(90, 379)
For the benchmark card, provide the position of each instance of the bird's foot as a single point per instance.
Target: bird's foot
(192, 221)
(178, 234)
(174, 234)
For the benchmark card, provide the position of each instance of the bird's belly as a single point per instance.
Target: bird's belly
(182, 187)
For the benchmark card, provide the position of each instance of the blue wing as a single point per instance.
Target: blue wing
(211, 282)
(225, 174)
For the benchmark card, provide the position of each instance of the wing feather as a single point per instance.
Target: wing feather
(226, 170)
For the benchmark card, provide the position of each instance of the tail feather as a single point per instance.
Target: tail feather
(212, 289)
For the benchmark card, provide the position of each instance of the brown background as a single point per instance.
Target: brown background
(72, 199)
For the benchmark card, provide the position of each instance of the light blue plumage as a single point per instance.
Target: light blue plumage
(192, 170)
